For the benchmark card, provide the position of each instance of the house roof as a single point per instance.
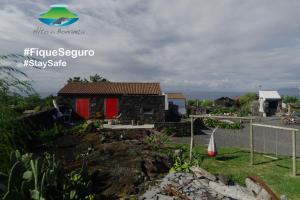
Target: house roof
(269, 95)
(224, 98)
(175, 95)
(111, 88)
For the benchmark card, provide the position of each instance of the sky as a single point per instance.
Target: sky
(186, 45)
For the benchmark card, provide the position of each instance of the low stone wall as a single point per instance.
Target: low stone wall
(181, 129)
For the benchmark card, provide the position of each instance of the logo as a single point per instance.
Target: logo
(58, 15)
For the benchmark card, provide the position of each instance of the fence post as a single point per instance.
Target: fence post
(192, 138)
(251, 143)
(294, 153)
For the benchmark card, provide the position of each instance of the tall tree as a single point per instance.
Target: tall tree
(93, 79)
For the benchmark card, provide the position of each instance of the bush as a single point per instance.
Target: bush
(157, 140)
(42, 178)
(180, 165)
(213, 123)
(221, 111)
(290, 99)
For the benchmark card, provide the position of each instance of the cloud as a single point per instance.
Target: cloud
(228, 45)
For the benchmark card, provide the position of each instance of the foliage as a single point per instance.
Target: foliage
(13, 84)
(247, 98)
(180, 165)
(208, 122)
(245, 103)
(92, 79)
(200, 103)
(40, 178)
(244, 111)
(221, 111)
(290, 99)
(51, 133)
(157, 140)
(78, 185)
(169, 130)
(11, 77)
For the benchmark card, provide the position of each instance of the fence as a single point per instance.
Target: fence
(293, 133)
(193, 117)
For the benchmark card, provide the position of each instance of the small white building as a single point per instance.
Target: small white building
(269, 102)
(178, 99)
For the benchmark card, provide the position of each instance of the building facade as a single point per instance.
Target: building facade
(141, 102)
(178, 99)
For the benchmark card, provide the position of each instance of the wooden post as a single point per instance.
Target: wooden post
(251, 143)
(192, 138)
(294, 153)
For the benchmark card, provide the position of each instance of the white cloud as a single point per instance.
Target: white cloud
(208, 45)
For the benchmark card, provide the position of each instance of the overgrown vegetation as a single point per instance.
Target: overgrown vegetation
(40, 178)
(290, 99)
(180, 165)
(213, 123)
(245, 103)
(200, 102)
(156, 140)
(222, 111)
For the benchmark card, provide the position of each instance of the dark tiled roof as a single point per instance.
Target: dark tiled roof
(111, 88)
(175, 95)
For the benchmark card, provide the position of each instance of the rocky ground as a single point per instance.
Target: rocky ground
(123, 166)
(121, 163)
(201, 185)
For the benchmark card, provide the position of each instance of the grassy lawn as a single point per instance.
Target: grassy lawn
(235, 163)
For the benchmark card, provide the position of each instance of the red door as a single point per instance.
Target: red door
(111, 108)
(83, 108)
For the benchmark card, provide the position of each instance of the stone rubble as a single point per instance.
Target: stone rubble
(201, 185)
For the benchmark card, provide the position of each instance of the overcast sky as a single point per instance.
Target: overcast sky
(228, 45)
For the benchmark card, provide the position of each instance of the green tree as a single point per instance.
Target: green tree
(75, 79)
(290, 99)
(245, 103)
(92, 79)
(248, 98)
(96, 78)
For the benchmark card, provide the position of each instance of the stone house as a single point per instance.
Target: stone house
(143, 102)
(224, 102)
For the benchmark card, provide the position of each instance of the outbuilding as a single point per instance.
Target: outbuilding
(178, 99)
(269, 102)
(142, 102)
(225, 102)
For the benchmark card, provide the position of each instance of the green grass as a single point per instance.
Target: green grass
(235, 163)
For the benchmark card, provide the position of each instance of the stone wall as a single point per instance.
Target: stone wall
(180, 128)
(146, 109)
(142, 108)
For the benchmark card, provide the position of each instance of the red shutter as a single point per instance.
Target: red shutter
(111, 108)
(83, 108)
